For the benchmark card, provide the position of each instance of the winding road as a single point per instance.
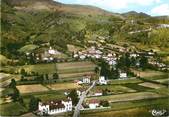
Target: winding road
(82, 97)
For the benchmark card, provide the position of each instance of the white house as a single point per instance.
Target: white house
(86, 79)
(123, 75)
(98, 56)
(75, 55)
(112, 62)
(79, 82)
(52, 51)
(94, 103)
(98, 93)
(82, 57)
(102, 80)
(134, 55)
(54, 107)
(109, 55)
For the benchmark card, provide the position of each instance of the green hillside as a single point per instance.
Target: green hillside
(26, 22)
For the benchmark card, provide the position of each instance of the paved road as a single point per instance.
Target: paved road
(82, 97)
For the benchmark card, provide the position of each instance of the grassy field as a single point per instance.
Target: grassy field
(125, 81)
(73, 48)
(74, 64)
(141, 108)
(50, 95)
(163, 81)
(5, 79)
(128, 97)
(31, 88)
(124, 113)
(114, 89)
(63, 86)
(71, 75)
(162, 91)
(28, 48)
(16, 109)
(75, 70)
(151, 85)
(3, 59)
(137, 87)
(3, 76)
(75, 67)
(158, 77)
(148, 73)
(40, 68)
(12, 109)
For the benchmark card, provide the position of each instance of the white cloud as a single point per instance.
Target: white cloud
(162, 9)
(115, 4)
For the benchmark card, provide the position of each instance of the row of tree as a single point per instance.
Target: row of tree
(123, 64)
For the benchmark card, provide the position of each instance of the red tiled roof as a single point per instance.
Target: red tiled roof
(56, 104)
(94, 101)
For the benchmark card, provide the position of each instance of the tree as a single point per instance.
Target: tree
(104, 69)
(133, 61)
(16, 94)
(12, 84)
(46, 77)
(104, 91)
(22, 78)
(23, 72)
(114, 73)
(55, 76)
(127, 60)
(40, 78)
(143, 62)
(97, 70)
(74, 96)
(104, 103)
(20, 100)
(33, 104)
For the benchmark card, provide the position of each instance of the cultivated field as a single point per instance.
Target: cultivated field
(129, 97)
(132, 80)
(40, 68)
(12, 109)
(163, 80)
(148, 73)
(5, 79)
(151, 85)
(74, 65)
(63, 86)
(31, 88)
(70, 75)
(140, 108)
(75, 70)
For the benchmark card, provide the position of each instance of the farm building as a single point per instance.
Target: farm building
(54, 107)
(102, 80)
(123, 75)
(94, 103)
(86, 79)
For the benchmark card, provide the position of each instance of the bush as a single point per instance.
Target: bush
(104, 103)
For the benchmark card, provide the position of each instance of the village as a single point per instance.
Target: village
(85, 77)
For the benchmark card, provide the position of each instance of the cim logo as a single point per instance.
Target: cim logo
(158, 113)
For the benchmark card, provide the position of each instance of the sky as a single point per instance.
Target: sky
(151, 7)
